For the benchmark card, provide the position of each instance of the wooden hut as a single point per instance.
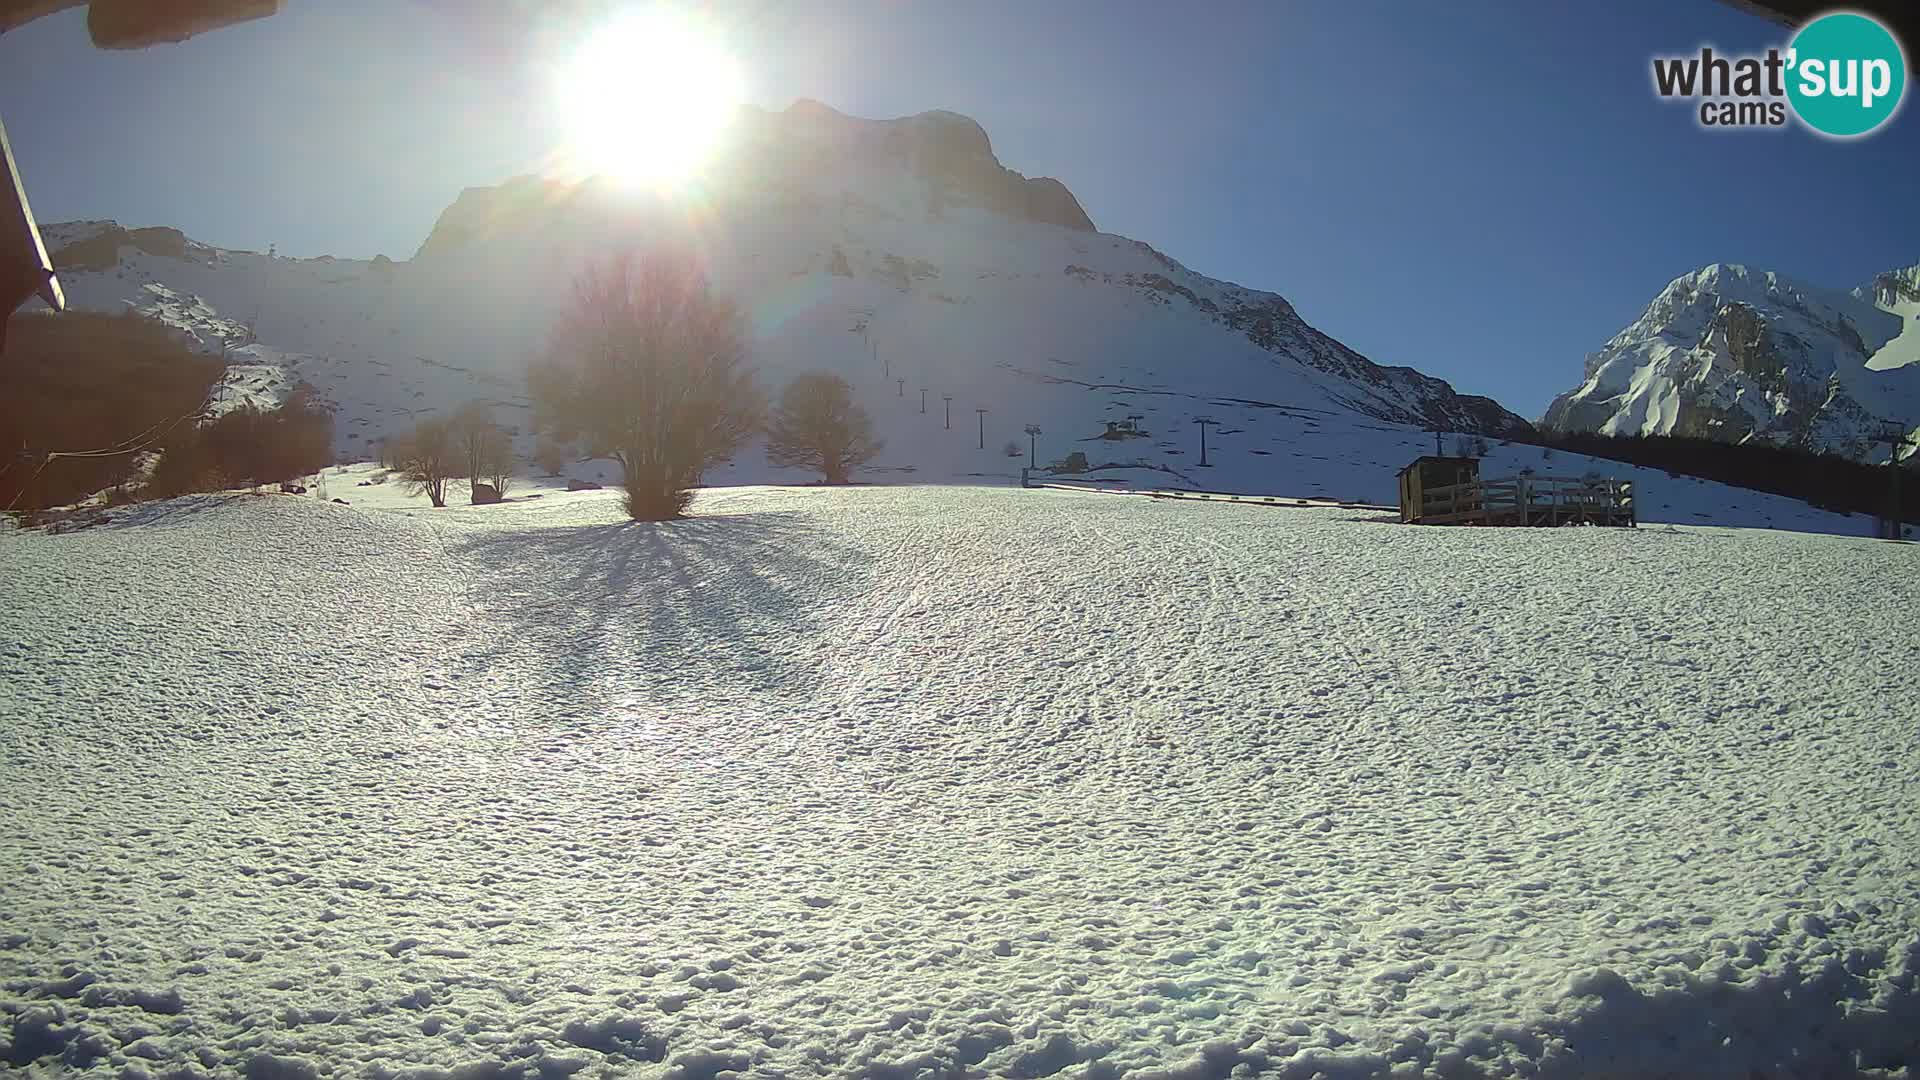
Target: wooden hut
(1428, 473)
(1449, 491)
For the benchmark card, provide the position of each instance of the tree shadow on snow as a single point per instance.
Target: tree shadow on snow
(674, 606)
(134, 515)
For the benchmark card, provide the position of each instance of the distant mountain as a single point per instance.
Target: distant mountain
(1734, 353)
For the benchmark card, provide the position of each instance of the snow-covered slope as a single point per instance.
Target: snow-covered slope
(1734, 353)
(900, 253)
(906, 781)
(1898, 292)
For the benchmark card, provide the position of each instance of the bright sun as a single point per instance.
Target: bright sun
(646, 99)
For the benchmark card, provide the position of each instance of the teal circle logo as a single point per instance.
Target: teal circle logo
(1845, 74)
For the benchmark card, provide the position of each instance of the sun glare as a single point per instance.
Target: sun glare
(646, 99)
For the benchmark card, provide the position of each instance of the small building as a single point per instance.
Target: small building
(1429, 473)
(1438, 490)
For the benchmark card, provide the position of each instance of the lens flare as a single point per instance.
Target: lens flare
(646, 99)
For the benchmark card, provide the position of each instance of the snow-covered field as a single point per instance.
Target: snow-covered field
(919, 781)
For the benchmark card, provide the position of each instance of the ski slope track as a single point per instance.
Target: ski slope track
(947, 781)
(1736, 353)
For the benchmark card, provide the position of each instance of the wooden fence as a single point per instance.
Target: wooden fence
(1530, 500)
(1101, 487)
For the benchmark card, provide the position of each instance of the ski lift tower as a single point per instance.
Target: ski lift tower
(1203, 421)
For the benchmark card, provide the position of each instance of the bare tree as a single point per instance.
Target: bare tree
(648, 367)
(484, 449)
(429, 459)
(816, 425)
(496, 462)
(550, 455)
(467, 427)
(394, 451)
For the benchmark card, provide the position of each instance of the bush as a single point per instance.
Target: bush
(817, 426)
(85, 381)
(247, 445)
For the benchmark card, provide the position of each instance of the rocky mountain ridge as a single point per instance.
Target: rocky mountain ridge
(1737, 353)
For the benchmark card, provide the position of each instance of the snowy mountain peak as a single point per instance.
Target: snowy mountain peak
(1735, 352)
(1719, 285)
(809, 157)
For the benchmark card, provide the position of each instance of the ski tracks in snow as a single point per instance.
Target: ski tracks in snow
(895, 781)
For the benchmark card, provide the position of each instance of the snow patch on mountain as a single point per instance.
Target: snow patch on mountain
(1897, 292)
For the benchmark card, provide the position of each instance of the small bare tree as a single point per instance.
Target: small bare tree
(817, 426)
(483, 447)
(394, 450)
(429, 459)
(495, 462)
(647, 366)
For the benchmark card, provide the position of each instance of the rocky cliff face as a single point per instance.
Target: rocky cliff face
(100, 249)
(945, 159)
(1734, 353)
(951, 154)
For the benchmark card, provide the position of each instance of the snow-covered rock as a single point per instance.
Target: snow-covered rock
(1736, 353)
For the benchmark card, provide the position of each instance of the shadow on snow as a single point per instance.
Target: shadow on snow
(701, 607)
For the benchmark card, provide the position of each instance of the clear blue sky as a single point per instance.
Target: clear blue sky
(1484, 191)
